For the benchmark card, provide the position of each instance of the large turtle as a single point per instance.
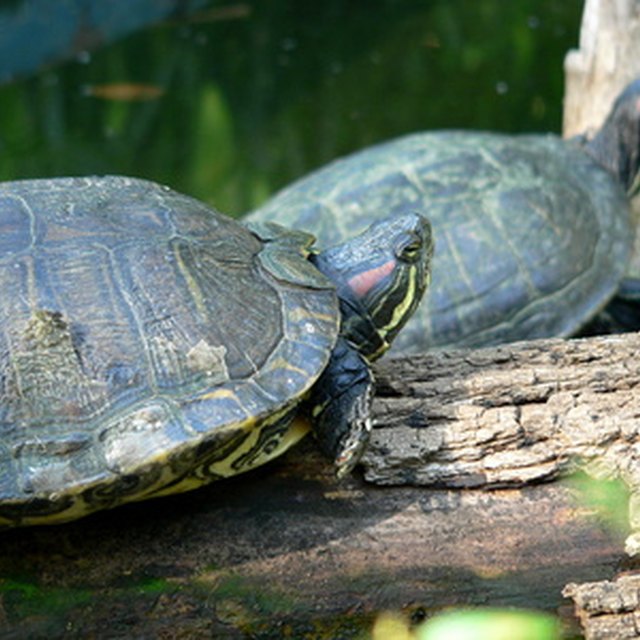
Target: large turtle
(150, 344)
(533, 232)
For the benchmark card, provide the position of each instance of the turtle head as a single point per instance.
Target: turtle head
(381, 276)
(617, 145)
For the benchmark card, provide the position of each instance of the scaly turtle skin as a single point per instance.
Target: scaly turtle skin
(150, 344)
(533, 232)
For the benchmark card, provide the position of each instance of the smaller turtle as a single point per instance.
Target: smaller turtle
(534, 232)
(150, 345)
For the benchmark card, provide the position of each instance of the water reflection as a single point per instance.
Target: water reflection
(256, 94)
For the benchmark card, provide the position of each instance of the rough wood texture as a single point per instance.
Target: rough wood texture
(608, 609)
(289, 549)
(608, 59)
(507, 415)
(510, 415)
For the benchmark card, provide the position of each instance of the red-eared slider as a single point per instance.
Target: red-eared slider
(533, 232)
(150, 344)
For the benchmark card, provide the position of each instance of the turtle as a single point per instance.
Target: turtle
(151, 345)
(534, 233)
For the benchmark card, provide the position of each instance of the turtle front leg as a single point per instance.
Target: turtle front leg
(341, 406)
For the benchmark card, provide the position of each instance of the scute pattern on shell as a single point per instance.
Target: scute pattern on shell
(531, 236)
(124, 367)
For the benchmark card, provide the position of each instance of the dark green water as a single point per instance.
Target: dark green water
(255, 94)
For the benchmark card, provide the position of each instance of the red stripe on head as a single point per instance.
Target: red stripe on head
(362, 283)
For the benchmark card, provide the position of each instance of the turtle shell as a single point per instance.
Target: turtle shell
(532, 237)
(147, 346)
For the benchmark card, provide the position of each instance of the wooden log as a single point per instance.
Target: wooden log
(511, 415)
(608, 608)
(608, 58)
(290, 550)
(507, 415)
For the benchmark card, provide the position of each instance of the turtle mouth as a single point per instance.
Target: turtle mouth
(402, 298)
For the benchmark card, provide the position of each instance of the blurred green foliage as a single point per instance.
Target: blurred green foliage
(607, 498)
(483, 623)
(490, 624)
(260, 93)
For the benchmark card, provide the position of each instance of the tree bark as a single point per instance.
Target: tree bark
(608, 609)
(607, 60)
(288, 548)
(510, 415)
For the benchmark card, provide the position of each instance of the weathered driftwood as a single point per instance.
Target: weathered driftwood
(608, 609)
(608, 59)
(511, 415)
(507, 415)
(289, 548)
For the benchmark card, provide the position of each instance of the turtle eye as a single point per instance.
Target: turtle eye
(409, 248)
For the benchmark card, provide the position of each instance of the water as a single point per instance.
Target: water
(235, 100)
